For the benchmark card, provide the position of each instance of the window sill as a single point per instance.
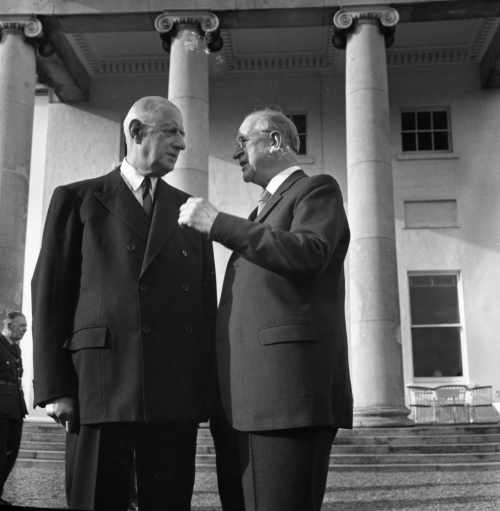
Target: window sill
(304, 158)
(420, 227)
(427, 155)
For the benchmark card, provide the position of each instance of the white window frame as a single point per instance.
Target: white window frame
(439, 380)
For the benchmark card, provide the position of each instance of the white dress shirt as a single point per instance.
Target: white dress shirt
(278, 179)
(134, 180)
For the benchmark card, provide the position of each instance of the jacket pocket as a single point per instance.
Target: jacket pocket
(88, 338)
(299, 332)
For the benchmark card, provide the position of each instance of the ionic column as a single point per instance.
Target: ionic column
(190, 37)
(376, 358)
(17, 99)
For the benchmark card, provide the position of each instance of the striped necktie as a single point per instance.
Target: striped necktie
(264, 197)
(147, 200)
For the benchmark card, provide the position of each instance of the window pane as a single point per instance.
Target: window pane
(303, 144)
(435, 302)
(441, 141)
(300, 122)
(408, 121)
(440, 120)
(425, 141)
(423, 120)
(436, 352)
(409, 141)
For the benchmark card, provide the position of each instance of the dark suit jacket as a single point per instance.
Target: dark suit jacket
(12, 404)
(281, 336)
(122, 319)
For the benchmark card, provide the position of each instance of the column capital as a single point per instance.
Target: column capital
(29, 26)
(206, 23)
(346, 18)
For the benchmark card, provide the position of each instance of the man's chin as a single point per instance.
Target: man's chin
(247, 174)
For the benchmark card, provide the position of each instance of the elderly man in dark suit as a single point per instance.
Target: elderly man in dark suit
(12, 404)
(282, 365)
(123, 323)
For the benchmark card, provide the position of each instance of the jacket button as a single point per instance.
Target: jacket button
(146, 329)
(131, 247)
(143, 288)
(184, 252)
(185, 287)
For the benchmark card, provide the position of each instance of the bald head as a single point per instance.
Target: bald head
(149, 110)
(274, 120)
(154, 135)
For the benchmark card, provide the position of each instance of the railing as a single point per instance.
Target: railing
(447, 403)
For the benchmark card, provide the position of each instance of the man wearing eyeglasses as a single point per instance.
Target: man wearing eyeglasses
(283, 376)
(124, 320)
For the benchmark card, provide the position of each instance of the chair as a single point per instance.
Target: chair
(451, 403)
(422, 402)
(478, 396)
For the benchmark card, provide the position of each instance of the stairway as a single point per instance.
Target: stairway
(450, 447)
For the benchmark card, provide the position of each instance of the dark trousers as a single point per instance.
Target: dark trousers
(100, 461)
(282, 470)
(10, 440)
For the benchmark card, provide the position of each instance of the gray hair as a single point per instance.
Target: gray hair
(278, 121)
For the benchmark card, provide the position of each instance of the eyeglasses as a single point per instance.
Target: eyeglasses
(241, 140)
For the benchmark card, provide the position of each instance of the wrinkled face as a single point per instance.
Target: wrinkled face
(162, 142)
(17, 328)
(252, 150)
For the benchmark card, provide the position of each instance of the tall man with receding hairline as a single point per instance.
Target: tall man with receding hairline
(283, 374)
(123, 324)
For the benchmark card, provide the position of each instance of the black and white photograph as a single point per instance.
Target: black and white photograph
(250, 255)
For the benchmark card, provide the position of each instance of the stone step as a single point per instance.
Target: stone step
(27, 454)
(391, 459)
(399, 440)
(397, 449)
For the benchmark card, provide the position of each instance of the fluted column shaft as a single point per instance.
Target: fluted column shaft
(376, 356)
(189, 37)
(188, 89)
(17, 99)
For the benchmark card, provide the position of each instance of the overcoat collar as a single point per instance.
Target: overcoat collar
(163, 222)
(119, 200)
(278, 194)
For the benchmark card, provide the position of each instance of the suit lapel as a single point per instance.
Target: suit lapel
(278, 194)
(119, 200)
(163, 222)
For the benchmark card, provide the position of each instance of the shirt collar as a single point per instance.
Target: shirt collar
(133, 178)
(279, 178)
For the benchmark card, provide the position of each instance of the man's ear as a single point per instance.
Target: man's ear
(135, 129)
(276, 138)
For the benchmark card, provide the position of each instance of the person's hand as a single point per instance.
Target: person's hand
(62, 410)
(198, 213)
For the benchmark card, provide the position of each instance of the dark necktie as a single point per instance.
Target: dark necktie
(264, 197)
(147, 200)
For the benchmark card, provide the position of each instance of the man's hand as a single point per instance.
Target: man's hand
(62, 410)
(198, 213)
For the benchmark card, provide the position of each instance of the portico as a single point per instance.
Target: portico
(271, 55)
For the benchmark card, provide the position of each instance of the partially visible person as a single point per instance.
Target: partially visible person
(12, 404)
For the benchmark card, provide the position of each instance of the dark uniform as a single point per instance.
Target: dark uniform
(12, 406)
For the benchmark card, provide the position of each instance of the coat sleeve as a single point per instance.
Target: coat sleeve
(55, 286)
(317, 225)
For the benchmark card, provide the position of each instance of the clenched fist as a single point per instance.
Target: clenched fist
(198, 213)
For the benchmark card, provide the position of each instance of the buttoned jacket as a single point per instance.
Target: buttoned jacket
(282, 358)
(123, 309)
(12, 404)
